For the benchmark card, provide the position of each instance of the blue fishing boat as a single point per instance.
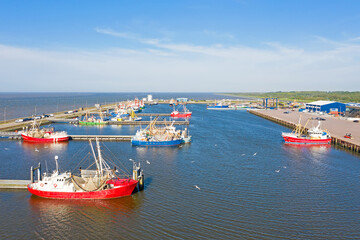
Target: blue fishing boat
(220, 106)
(175, 142)
(159, 136)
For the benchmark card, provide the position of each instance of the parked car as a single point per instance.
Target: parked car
(19, 120)
(286, 112)
(320, 119)
(356, 121)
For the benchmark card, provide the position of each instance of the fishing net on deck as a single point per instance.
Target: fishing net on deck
(90, 184)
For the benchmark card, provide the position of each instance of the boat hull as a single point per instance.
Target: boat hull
(293, 140)
(225, 107)
(44, 140)
(157, 143)
(121, 191)
(181, 115)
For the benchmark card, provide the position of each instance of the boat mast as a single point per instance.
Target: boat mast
(93, 152)
(57, 165)
(99, 155)
(100, 114)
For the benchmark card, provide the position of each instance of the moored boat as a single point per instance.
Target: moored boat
(314, 135)
(92, 120)
(185, 113)
(103, 182)
(35, 134)
(221, 106)
(159, 136)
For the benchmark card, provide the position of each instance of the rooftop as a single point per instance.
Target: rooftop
(320, 102)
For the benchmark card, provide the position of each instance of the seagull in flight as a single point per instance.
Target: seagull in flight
(255, 154)
(36, 150)
(277, 170)
(147, 162)
(197, 187)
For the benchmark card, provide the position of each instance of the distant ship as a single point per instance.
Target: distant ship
(314, 135)
(92, 120)
(220, 106)
(185, 113)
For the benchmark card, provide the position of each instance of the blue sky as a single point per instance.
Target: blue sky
(221, 46)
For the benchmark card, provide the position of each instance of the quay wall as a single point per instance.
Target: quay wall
(337, 127)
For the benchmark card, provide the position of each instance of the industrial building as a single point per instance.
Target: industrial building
(326, 107)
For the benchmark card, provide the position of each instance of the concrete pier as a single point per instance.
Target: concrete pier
(148, 122)
(122, 138)
(334, 125)
(14, 184)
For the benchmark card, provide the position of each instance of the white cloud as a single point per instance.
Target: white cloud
(115, 34)
(166, 66)
(215, 34)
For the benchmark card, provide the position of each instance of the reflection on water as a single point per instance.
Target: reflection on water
(90, 126)
(319, 148)
(168, 153)
(318, 153)
(59, 219)
(50, 208)
(60, 146)
(36, 149)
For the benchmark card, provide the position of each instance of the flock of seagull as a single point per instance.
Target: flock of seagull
(196, 186)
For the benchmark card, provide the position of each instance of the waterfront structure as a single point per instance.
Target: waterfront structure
(326, 107)
(271, 103)
(181, 100)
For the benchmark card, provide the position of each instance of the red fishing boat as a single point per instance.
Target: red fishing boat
(314, 135)
(185, 113)
(35, 134)
(100, 183)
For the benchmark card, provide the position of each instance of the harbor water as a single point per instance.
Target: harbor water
(236, 180)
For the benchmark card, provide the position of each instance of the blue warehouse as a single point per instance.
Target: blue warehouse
(326, 106)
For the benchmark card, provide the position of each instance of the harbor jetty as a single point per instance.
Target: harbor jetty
(336, 126)
(72, 116)
(122, 138)
(13, 184)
